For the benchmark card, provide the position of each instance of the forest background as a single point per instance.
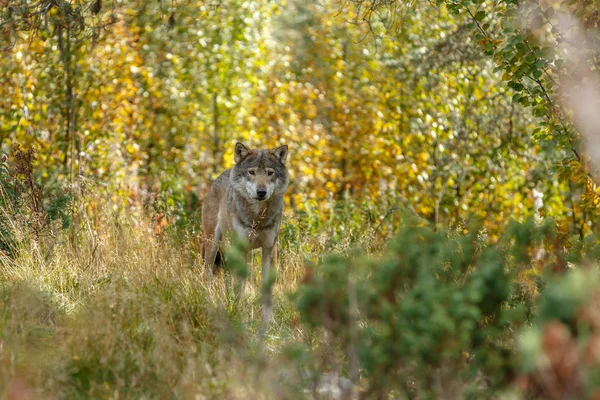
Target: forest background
(440, 189)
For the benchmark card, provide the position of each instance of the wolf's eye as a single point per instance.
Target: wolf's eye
(251, 172)
(270, 172)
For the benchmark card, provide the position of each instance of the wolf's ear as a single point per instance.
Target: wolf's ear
(240, 152)
(281, 153)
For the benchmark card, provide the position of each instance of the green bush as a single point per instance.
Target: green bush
(560, 354)
(26, 201)
(434, 315)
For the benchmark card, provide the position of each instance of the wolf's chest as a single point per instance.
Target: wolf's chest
(257, 234)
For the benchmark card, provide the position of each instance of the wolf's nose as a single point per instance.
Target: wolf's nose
(261, 193)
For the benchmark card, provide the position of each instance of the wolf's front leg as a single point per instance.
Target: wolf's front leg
(213, 245)
(267, 283)
(241, 282)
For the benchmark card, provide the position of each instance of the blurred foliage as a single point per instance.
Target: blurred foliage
(25, 203)
(527, 43)
(431, 317)
(147, 98)
(559, 355)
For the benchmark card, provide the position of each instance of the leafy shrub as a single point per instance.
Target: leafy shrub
(25, 201)
(173, 205)
(560, 355)
(432, 316)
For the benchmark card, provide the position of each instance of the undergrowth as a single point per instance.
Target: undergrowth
(97, 302)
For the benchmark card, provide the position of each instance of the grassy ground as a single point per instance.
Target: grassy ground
(114, 307)
(112, 310)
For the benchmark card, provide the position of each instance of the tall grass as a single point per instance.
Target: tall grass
(110, 309)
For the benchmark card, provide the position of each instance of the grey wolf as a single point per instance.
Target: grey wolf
(247, 200)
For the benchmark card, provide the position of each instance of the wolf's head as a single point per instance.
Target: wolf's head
(258, 174)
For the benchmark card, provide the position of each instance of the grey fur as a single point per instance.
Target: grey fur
(234, 206)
